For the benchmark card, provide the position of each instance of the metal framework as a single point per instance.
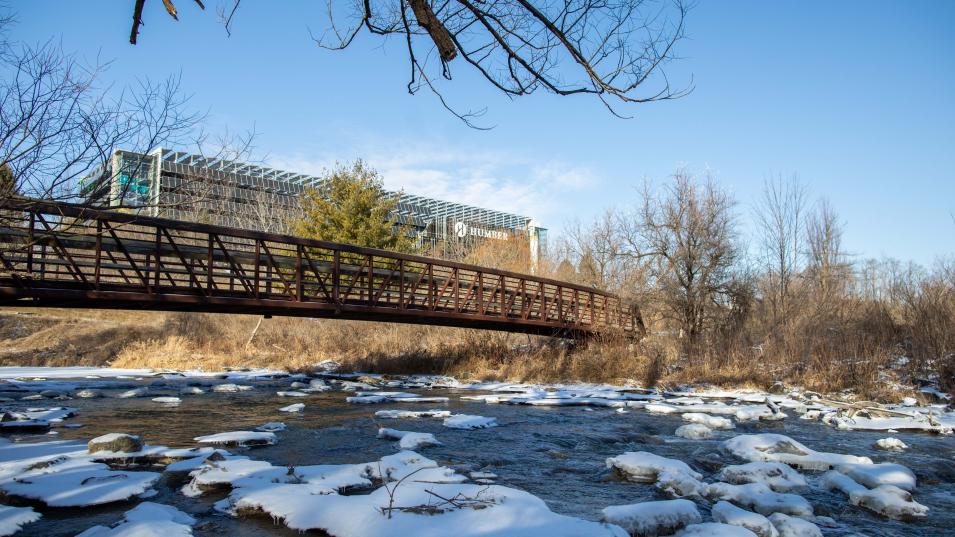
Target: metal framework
(64, 255)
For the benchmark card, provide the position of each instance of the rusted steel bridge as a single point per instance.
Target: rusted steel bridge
(63, 255)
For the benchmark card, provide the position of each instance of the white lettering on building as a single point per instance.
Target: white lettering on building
(462, 229)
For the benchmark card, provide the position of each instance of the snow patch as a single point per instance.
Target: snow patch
(147, 519)
(650, 519)
(408, 439)
(239, 438)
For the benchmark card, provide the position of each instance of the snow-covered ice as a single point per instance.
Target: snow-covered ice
(272, 427)
(890, 444)
(231, 388)
(713, 529)
(884, 473)
(781, 448)
(307, 498)
(147, 519)
(650, 519)
(296, 407)
(392, 397)
(727, 513)
(412, 414)
(694, 431)
(467, 421)
(673, 477)
(887, 500)
(239, 438)
(142, 391)
(645, 467)
(713, 422)
(69, 482)
(12, 519)
(760, 498)
(408, 439)
(789, 526)
(775, 475)
(71, 372)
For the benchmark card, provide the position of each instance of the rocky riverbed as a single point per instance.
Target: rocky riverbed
(113, 452)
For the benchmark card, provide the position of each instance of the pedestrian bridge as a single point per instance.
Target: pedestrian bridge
(64, 255)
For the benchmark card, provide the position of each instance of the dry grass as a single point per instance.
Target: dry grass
(829, 362)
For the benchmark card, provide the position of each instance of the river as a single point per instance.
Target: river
(555, 453)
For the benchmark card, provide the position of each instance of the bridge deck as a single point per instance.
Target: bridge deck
(62, 255)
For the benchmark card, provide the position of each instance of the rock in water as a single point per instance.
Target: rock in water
(116, 442)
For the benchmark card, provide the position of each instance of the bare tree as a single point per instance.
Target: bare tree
(780, 216)
(598, 252)
(614, 50)
(59, 123)
(688, 231)
(827, 262)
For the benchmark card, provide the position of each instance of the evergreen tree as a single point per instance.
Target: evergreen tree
(8, 184)
(351, 206)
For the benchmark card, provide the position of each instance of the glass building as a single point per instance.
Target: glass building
(184, 186)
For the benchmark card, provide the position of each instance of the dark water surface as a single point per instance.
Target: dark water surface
(557, 454)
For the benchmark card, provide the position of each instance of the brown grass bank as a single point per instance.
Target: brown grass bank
(211, 341)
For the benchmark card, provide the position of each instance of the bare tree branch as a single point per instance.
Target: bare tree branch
(615, 50)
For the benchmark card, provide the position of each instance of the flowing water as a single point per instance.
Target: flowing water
(557, 453)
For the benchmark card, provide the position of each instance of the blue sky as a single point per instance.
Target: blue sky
(857, 98)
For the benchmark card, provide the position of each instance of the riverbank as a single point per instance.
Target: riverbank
(265, 452)
(130, 339)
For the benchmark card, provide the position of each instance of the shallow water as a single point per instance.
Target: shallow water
(557, 453)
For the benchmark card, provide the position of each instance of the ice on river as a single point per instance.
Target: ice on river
(760, 498)
(781, 448)
(467, 421)
(408, 439)
(775, 475)
(788, 526)
(412, 414)
(713, 529)
(12, 519)
(147, 519)
(418, 497)
(653, 518)
(887, 500)
(296, 407)
(71, 372)
(890, 444)
(239, 438)
(727, 513)
(928, 420)
(644, 467)
(673, 477)
(272, 427)
(885, 473)
(69, 482)
(392, 397)
(713, 422)
(694, 431)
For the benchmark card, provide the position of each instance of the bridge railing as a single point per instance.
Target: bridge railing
(53, 249)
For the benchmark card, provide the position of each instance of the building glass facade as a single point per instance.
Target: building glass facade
(184, 186)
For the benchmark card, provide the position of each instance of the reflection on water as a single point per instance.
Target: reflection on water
(557, 454)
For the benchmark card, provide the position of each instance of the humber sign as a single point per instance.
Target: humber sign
(462, 229)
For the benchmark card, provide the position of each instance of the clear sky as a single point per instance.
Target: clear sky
(857, 98)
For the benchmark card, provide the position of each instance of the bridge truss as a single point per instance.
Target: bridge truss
(63, 255)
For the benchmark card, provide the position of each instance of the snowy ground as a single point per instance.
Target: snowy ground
(715, 462)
